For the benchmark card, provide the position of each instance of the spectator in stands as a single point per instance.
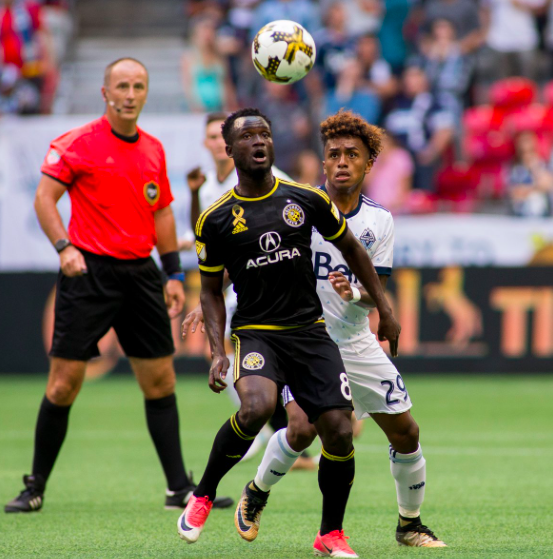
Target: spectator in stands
(363, 16)
(334, 45)
(24, 41)
(423, 124)
(376, 72)
(391, 179)
(512, 38)
(304, 12)
(352, 92)
(17, 96)
(59, 22)
(291, 127)
(465, 16)
(393, 42)
(307, 168)
(449, 71)
(205, 75)
(530, 182)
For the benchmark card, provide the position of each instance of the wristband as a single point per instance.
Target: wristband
(356, 294)
(171, 262)
(179, 276)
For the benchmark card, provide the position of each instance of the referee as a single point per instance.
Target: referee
(116, 177)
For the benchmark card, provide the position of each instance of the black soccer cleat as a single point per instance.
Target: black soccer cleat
(31, 498)
(417, 534)
(179, 499)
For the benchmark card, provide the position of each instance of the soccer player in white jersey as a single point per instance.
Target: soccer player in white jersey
(350, 147)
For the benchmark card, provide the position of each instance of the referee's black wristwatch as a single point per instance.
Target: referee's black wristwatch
(62, 244)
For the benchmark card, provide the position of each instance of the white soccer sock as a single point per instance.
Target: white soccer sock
(409, 471)
(279, 457)
(231, 391)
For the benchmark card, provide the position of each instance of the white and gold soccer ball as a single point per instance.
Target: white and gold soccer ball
(283, 51)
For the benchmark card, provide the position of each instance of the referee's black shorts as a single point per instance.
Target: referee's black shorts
(125, 294)
(305, 359)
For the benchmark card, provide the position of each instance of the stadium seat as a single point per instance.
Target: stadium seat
(493, 146)
(481, 119)
(456, 185)
(534, 118)
(548, 94)
(511, 94)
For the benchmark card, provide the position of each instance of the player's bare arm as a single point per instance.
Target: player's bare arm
(195, 179)
(360, 264)
(343, 287)
(167, 242)
(213, 305)
(49, 191)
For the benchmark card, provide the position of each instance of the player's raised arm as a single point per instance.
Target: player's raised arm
(213, 305)
(360, 264)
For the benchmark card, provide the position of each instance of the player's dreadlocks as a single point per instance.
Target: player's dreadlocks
(347, 123)
(229, 122)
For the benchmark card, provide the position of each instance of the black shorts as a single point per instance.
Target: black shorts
(125, 294)
(305, 359)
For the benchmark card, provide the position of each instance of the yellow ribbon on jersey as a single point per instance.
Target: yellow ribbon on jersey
(238, 212)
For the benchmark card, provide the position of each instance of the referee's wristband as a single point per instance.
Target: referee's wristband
(356, 294)
(171, 263)
(179, 276)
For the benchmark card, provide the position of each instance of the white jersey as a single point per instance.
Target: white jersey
(211, 190)
(373, 225)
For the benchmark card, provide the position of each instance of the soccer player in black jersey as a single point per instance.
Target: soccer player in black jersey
(260, 231)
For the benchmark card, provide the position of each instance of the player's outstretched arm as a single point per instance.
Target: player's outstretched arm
(343, 287)
(360, 264)
(213, 305)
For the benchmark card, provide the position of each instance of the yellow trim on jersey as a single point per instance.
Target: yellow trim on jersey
(320, 192)
(273, 327)
(238, 431)
(212, 268)
(337, 458)
(236, 367)
(277, 181)
(337, 234)
(214, 206)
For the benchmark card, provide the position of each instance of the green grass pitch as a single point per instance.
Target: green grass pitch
(487, 441)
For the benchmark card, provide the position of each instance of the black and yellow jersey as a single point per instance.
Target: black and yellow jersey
(265, 244)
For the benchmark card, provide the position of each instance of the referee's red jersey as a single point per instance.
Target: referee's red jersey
(115, 186)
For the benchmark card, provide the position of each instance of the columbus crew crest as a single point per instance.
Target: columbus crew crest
(335, 211)
(151, 192)
(293, 215)
(253, 361)
(200, 251)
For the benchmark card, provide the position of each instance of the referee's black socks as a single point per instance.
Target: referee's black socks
(336, 475)
(231, 443)
(50, 431)
(162, 417)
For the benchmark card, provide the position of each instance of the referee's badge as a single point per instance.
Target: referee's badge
(200, 251)
(253, 361)
(293, 215)
(151, 192)
(53, 157)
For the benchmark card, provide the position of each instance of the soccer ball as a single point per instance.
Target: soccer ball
(283, 51)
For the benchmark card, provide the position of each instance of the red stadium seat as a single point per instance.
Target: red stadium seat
(456, 185)
(493, 146)
(548, 94)
(537, 119)
(512, 93)
(481, 119)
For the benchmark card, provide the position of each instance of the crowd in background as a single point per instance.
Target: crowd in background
(460, 86)
(34, 37)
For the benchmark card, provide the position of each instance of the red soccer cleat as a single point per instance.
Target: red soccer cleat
(333, 544)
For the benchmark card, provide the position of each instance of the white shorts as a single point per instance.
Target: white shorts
(230, 306)
(375, 384)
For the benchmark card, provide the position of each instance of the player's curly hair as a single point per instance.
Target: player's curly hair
(347, 123)
(228, 125)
